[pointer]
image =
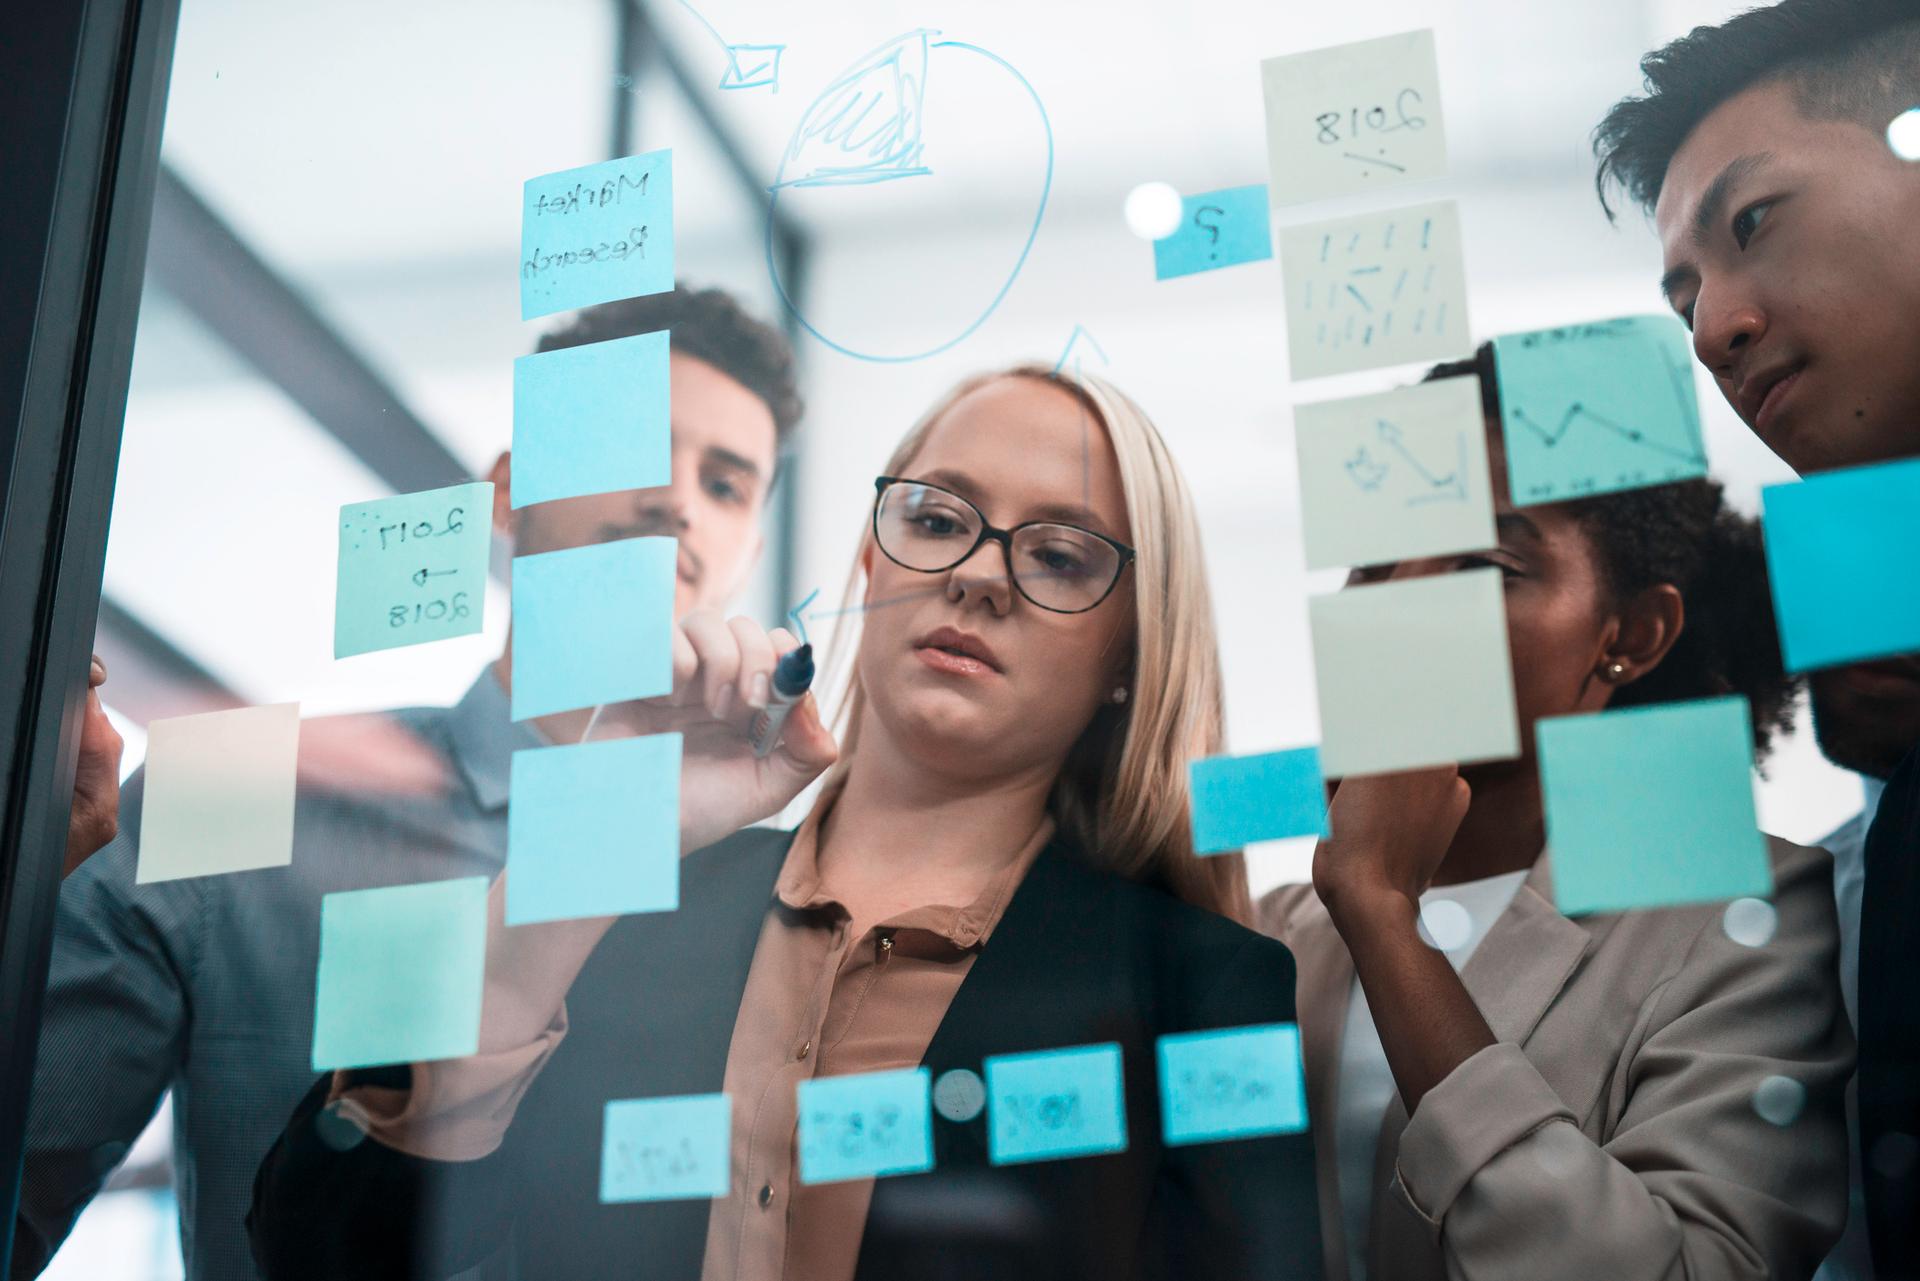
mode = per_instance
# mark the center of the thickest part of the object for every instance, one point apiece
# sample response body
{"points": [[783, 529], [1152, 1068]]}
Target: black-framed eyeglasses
{"points": [[1059, 567]]}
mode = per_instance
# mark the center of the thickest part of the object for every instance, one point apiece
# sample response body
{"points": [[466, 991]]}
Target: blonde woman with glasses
{"points": [[999, 862]]}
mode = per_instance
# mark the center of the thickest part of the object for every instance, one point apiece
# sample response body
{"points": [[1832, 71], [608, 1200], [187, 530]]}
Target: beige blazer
{"points": [[1611, 1134]]}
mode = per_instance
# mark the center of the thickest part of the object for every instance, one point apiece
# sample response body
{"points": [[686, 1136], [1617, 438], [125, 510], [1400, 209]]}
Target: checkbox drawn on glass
{"points": [[753, 66]]}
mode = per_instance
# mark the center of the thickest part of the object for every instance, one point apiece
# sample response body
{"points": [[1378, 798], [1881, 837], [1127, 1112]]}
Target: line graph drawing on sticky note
{"points": [[1378, 289], [1396, 475], [1597, 408]]}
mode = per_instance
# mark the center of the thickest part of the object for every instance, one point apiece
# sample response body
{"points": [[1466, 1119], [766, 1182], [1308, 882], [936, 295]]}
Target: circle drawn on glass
{"points": [[839, 142]]}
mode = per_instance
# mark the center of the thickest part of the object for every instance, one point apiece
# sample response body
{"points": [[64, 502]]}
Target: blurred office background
{"points": [[331, 311]]}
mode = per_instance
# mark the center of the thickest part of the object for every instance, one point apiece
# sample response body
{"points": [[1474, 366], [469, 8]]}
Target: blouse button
{"points": [[766, 1195], [805, 1049]]}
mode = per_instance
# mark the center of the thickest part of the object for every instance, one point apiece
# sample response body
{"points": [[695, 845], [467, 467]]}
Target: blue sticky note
{"points": [[1217, 229], [593, 625], [668, 1149], [597, 234], [593, 829], [1233, 1083], [400, 974], [1237, 799], [590, 419], [1841, 553], [1055, 1103], [412, 568], [1652, 806], [865, 1125], [1596, 408]]}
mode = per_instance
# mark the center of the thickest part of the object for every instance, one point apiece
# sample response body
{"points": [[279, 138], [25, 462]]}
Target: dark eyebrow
{"points": [[1064, 513], [1514, 522], [1707, 216], [738, 462]]}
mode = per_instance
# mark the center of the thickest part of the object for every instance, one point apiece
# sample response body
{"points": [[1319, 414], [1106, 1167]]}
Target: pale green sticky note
{"points": [[592, 418], [1652, 806], [1394, 476], [1414, 673], [219, 792], [1597, 408], [1355, 118], [1373, 289], [401, 970], [412, 569]]}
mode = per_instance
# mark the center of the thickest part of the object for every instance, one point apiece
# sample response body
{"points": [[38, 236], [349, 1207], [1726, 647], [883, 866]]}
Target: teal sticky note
{"points": [[1652, 806], [1413, 673], [1841, 554], [1055, 1103], [1217, 229], [400, 974], [1595, 408], [593, 625], [666, 1149], [1232, 1083], [1394, 476], [1237, 799], [590, 419], [593, 829], [865, 1125], [412, 568], [597, 234]]}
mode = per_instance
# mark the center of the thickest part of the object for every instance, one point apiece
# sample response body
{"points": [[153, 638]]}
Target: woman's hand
{"points": [[1390, 833], [722, 679], [95, 816]]}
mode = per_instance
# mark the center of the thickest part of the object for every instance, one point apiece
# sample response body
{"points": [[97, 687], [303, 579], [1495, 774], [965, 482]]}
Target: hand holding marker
{"points": [[792, 678]]}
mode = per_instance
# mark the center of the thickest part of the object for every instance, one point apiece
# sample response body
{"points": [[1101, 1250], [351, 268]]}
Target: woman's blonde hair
{"points": [[1122, 797]]}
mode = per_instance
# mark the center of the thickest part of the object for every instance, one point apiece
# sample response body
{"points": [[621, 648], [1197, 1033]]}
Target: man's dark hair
{"points": [[1685, 534], [708, 325], [1845, 59]]}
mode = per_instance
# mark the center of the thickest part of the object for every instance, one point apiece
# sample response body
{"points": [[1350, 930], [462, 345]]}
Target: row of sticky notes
{"points": [[1645, 806], [592, 624], [1230, 1083]]}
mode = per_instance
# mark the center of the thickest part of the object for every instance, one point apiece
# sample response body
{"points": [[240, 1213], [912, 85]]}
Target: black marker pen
{"points": [[792, 677]]}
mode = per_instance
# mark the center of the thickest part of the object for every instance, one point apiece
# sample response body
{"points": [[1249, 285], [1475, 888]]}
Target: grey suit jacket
{"points": [[1611, 1135], [205, 986]]}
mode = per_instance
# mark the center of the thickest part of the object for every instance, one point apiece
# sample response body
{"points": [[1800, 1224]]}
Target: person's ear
{"points": [[501, 474], [1649, 625]]}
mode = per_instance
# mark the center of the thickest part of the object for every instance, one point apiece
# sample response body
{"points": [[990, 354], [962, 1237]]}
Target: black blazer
{"points": [[1080, 956]]}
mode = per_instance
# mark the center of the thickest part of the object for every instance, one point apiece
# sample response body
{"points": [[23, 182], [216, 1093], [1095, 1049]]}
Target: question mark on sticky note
{"points": [[1211, 228]]}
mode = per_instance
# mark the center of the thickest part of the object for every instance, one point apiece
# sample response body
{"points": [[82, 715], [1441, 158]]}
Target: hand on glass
{"points": [[722, 679]]}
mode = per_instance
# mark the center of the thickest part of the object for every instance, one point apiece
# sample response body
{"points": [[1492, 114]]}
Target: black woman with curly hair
{"points": [[1646, 1094]]}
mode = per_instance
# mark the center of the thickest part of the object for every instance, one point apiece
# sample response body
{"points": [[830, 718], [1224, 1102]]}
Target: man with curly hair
{"points": [[1761, 149], [205, 986]]}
